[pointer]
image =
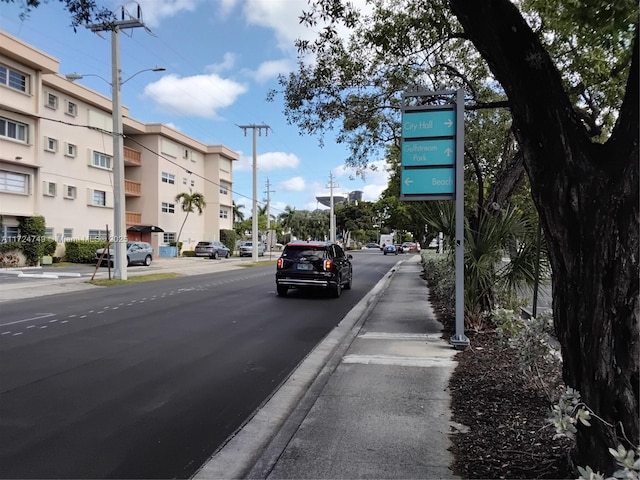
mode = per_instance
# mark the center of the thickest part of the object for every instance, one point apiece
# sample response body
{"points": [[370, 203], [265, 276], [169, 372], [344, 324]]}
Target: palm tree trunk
{"points": [[180, 233]]}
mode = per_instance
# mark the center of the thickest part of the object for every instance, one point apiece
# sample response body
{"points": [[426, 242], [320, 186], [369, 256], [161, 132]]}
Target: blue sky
{"points": [[221, 58]]}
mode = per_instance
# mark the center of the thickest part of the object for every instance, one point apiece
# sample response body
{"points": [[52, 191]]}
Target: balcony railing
{"points": [[132, 158], [132, 189], [133, 218]]}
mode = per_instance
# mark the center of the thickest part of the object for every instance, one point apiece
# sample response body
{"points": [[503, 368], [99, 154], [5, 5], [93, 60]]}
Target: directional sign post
{"points": [[432, 168]]}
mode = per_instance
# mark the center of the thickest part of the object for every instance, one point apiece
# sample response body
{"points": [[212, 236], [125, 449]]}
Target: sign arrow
{"points": [[408, 181], [448, 123], [448, 152]]}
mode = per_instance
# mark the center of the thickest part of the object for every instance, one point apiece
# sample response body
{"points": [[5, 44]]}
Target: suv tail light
{"points": [[280, 263], [328, 265]]}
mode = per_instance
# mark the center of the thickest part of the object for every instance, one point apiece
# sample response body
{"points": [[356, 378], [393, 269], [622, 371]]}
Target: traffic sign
{"points": [[428, 152], [429, 123], [428, 181]]}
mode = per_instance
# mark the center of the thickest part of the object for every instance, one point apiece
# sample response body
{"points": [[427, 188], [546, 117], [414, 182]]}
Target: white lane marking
{"points": [[64, 321], [40, 316], [6, 333], [16, 334], [44, 326]]}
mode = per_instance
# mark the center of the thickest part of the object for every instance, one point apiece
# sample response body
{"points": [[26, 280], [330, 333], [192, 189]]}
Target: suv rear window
{"points": [[306, 251]]}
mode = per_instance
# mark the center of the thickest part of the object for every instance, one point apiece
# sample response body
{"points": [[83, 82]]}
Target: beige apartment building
{"points": [[56, 160]]}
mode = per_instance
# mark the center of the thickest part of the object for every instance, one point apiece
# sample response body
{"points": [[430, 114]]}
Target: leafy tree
{"points": [[572, 99], [190, 202], [353, 220]]}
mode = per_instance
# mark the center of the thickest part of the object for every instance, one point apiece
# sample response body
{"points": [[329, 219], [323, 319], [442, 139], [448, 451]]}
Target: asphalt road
{"points": [[148, 380]]}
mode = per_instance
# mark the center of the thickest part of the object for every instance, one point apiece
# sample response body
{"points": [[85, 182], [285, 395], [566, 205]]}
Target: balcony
{"points": [[133, 218], [132, 189], [132, 158]]}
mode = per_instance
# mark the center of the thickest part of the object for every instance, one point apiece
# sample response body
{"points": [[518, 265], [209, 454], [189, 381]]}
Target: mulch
{"points": [[503, 412]]}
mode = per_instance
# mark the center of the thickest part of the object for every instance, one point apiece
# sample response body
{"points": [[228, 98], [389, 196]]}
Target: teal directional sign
{"points": [[428, 152], [434, 181], [430, 123]]}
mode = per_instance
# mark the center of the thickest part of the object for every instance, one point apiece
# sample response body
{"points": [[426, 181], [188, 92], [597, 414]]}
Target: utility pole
{"points": [[119, 206], [332, 220], [270, 241], [257, 129]]}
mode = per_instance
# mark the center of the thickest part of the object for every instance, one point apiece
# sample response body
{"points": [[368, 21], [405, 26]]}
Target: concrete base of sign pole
{"points": [[460, 341]]}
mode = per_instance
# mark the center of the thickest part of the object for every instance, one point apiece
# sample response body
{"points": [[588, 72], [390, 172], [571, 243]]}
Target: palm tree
{"points": [[189, 202], [238, 215]]}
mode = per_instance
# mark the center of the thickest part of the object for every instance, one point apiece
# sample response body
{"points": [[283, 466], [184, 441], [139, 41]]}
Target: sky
{"points": [[221, 59]]}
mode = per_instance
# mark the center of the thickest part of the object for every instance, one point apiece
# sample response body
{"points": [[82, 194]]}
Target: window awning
{"points": [[144, 229]]}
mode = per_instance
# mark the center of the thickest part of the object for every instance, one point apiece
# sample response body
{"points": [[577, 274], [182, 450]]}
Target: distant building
{"points": [[351, 197]]}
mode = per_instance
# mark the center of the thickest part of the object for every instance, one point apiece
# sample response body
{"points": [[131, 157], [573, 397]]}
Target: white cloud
{"points": [[268, 161], [272, 69], [228, 62], [294, 184], [154, 11], [199, 95]]}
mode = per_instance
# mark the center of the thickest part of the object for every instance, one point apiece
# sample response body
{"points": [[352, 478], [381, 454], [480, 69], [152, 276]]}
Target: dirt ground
{"points": [[503, 413]]}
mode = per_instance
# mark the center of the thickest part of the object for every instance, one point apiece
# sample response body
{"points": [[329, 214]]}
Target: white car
{"points": [[246, 249]]}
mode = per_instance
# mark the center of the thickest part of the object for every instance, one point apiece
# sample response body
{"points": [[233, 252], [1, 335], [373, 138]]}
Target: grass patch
{"points": [[69, 264], [105, 282]]}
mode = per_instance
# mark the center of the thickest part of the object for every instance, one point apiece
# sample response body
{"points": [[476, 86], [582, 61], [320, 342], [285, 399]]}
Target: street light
{"points": [[119, 214]]}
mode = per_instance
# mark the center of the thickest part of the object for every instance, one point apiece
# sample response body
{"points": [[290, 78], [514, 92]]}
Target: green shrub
{"points": [[49, 247], [32, 235], [82, 251], [189, 253], [229, 238]]}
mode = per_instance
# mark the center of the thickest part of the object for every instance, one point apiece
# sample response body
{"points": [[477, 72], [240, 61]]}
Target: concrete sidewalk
{"points": [[370, 401]]}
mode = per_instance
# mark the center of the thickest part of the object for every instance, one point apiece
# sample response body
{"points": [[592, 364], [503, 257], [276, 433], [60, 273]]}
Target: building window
{"points": [[193, 183], [52, 101], [97, 234], [49, 189], [186, 153], [224, 190], [100, 198], [13, 79], [14, 182], [51, 144], [184, 181], [72, 109], [68, 233], [168, 178], [48, 233], [168, 207], [10, 234], [15, 130], [224, 213], [70, 150], [101, 160], [168, 237], [70, 192]]}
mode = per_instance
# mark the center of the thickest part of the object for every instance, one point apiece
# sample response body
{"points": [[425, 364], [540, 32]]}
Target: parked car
{"points": [[399, 248], [246, 249], [321, 265], [390, 249], [410, 247], [137, 252], [373, 245], [212, 250]]}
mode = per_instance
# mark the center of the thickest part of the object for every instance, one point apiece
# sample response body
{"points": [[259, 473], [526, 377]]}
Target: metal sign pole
{"points": [[459, 340]]}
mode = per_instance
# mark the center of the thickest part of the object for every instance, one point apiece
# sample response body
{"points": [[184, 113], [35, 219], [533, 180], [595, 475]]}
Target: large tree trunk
{"points": [[587, 197]]}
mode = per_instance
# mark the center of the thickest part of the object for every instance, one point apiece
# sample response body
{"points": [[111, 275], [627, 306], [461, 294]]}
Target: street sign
{"points": [[430, 123], [428, 152], [433, 181]]}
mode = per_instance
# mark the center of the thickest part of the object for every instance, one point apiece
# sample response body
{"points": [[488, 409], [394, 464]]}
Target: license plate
{"points": [[304, 266]]}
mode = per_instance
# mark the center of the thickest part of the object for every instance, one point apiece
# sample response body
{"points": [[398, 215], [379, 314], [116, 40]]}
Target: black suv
{"points": [[314, 265]]}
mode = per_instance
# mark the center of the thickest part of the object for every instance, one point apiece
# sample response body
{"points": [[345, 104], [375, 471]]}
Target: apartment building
{"points": [[56, 160]]}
